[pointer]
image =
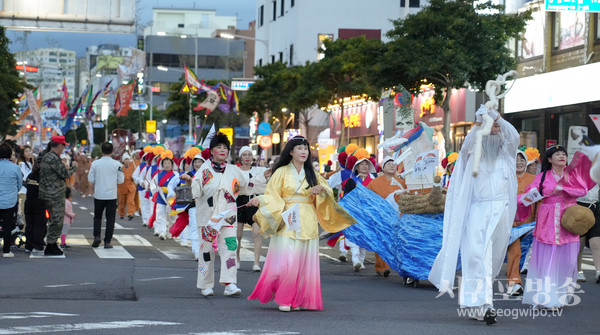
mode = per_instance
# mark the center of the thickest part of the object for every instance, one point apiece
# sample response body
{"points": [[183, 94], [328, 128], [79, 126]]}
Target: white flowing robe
{"points": [[478, 217]]}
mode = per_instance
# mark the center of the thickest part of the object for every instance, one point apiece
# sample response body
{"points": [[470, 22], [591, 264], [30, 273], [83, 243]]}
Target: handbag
{"points": [[183, 195]]}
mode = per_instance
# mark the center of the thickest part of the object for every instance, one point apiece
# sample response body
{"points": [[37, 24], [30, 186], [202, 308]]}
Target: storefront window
{"points": [[569, 30], [530, 129], [532, 44], [459, 134], [567, 120]]}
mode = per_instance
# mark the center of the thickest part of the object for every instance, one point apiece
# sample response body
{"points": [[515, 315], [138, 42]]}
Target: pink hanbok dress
{"points": [[552, 275]]}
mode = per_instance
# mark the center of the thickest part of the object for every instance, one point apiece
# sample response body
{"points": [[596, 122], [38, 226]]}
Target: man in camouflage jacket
{"points": [[53, 175]]}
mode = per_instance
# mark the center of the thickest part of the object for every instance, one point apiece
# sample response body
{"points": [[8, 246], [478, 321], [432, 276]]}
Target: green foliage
{"points": [[10, 88], [75, 136]]}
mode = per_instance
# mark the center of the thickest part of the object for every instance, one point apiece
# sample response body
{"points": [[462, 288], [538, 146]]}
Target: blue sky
{"points": [[243, 9]]}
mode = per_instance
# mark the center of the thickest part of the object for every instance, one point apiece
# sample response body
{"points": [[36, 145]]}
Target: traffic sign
{"points": [[151, 126], [151, 136], [264, 128], [266, 142], [573, 6], [241, 85], [98, 125], [138, 106]]}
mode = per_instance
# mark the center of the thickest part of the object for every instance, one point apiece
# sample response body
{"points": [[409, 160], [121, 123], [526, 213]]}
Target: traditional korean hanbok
{"points": [[138, 178], [291, 274], [552, 273], [215, 189], [160, 190]]}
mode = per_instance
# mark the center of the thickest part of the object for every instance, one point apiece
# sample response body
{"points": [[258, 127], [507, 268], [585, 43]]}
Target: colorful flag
{"points": [[210, 103], [107, 88], [192, 81], [124, 96], [64, 109]]}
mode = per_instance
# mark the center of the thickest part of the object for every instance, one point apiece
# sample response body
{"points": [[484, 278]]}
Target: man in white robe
{"points": [[478, 216]]}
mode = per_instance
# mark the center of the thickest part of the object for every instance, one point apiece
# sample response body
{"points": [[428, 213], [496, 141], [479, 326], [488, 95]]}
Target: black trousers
{"points": [[35, 229], [8, 220], [111, 211]]}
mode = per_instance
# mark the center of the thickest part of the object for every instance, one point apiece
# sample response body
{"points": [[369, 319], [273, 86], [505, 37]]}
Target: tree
{"points": [[10, 88], [451, 44], [344, 72]]}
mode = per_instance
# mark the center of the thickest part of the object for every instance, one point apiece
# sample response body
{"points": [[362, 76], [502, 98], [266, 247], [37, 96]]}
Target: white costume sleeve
{"points": [[335, 180]]}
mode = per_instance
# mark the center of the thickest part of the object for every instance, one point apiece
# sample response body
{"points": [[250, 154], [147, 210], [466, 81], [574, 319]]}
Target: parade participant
{"points": [[479, 211], [127, 190], [11, 181], [448, 165], [385, 185], [53, 177], [84, 187], [66, 159], [106, 174], [187, 213], [513, 254], [69, 216], [215, 188], [151, 171], [363, 172], [533, 160], [160, 192], [136, 156], [592, 237], [257, 181], [138, 177], [35, 211], [552, 271], [291, 274]]}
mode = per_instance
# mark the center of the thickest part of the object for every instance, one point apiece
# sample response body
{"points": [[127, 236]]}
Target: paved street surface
{"points": [[148, 286]]}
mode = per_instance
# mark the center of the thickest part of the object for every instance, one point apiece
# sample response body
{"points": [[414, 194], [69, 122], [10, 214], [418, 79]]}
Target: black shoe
{"points": [[130, 217], [52, 249], [386, 273], [107, 246], [65, 246], [490, 316], [121, 218], [96, 243]]}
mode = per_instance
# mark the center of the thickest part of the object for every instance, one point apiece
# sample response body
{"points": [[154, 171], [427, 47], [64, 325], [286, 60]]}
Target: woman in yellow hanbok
{"points": [[291, 274]]}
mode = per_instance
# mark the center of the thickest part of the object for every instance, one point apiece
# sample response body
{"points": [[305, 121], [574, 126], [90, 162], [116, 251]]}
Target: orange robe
{"points": [[127, 191], [383, 187], [513, 254]]}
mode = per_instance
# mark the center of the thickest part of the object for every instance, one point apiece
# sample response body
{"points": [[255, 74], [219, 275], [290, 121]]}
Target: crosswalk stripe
{"points": [[60, 328], [84, 208], [117, 252], [132, 240], [178, 253], [77, 239]]}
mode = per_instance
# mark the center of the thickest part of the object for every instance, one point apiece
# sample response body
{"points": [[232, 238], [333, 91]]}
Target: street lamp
{"points": [[230, 36]]}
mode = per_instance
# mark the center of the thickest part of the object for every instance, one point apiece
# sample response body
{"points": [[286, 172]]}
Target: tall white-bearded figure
{"points": [[480, 209]]}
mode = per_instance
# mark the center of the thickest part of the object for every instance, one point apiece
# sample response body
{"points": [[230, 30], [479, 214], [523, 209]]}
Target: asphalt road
{"points": [[150, 288]]}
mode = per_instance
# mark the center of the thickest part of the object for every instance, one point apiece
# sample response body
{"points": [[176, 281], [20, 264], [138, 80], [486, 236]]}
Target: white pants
{"points": [[358, 253], [161, 224], [227, 246], [145, 207], [193, 232], [483, 246]]}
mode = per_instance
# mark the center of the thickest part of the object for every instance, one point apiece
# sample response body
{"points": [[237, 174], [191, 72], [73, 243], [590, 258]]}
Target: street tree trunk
{"points": [[448, 145], [342, 137]]}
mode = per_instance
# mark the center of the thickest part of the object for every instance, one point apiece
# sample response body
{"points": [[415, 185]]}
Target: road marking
{"points": [[26, 315], [67, 285], [84, 326], [74, 203], [83, 208], [117, 252], [40, 254], [77, 239], [244, 331], [160, 278], [178, 254], [132, 240], [329, 257]]}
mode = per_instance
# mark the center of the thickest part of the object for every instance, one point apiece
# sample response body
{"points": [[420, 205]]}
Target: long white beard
{"points": [[491, 145]]}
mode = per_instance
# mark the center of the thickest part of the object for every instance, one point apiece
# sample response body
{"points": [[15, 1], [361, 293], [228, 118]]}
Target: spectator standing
{"points": [[11, 181], [69, 216], [35, 211], [105, 173], [53, 177]]}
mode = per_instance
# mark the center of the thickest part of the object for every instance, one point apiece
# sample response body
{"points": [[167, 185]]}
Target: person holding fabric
{"points": [[363, 172], [215, 189], [106, 174], [52, 189], [257, 181], [291, 274], [478, 215], [513, 254], [388, 184], [160, 190], [552, 273]]}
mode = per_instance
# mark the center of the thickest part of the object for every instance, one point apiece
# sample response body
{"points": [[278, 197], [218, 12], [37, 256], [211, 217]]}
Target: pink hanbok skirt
{"points": [[291, 274], [552, 275]]}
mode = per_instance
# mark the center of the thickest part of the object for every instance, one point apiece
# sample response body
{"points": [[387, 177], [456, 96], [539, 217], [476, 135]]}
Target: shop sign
{"points": [[550, 143]]}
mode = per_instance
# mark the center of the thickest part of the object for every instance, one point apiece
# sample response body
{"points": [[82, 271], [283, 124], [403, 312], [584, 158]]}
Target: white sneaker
{"points": [[162, 236], [362, 266], [285, 308], [8, 255], [207, 292], [581, 277], [256, 268], [232, 289]]}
